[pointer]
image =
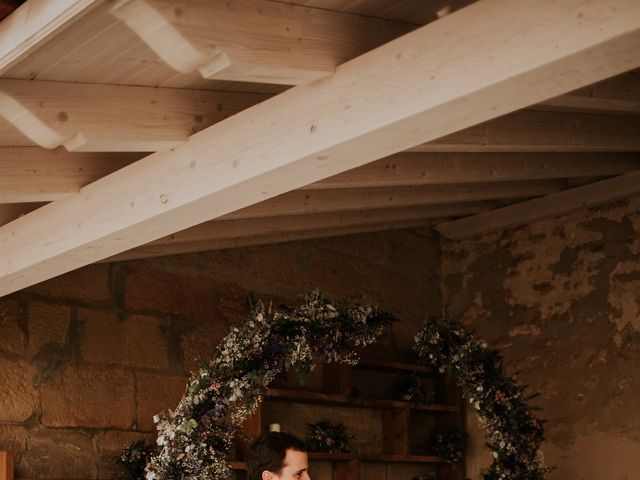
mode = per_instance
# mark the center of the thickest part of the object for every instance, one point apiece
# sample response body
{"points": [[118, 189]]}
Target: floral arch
{"points": [[194, 438]]}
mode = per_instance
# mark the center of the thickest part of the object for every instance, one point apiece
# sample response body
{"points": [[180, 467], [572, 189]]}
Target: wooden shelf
{"points": [[387, 458], [336, 457], [307, 396]]}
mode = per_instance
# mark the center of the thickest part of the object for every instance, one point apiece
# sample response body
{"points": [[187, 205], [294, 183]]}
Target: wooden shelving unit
{"points": [[397, 416]]}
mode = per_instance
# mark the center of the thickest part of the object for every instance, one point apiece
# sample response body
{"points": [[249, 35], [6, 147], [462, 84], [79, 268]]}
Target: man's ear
{"points": [[267, 475]]}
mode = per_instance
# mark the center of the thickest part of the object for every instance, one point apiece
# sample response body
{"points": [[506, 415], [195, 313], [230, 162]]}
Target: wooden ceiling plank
{"points": [[253, 40], [94, 118], [33, 174], [245, 227], [444, 168], [620, 95], [544, 131], [9, 212], [152, 250], [484, 61], [223, 233], [553, 205], [336, 200], [34, 23]]}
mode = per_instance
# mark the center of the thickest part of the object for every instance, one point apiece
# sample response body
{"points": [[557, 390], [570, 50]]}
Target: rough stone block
{"points": [[188, 294], [10, 332], [89, 284], [89, 397], [156, 393], [59, 454], [19, 398], [137, 341], [48, 323]]}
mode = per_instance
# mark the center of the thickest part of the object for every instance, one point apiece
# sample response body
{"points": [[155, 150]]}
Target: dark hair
{"points": [[267, 452]]}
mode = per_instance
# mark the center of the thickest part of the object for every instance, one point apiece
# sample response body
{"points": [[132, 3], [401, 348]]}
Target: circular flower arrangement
{"points": [[196, 437], [513, 431]]}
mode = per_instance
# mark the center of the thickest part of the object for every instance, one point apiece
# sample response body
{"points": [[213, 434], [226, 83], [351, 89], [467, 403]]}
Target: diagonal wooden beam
{"points": [[253, 40], [553, 205], [232, 233], [484, 61], [544, 131], [445, 168], [33, 23], [95, 118]]}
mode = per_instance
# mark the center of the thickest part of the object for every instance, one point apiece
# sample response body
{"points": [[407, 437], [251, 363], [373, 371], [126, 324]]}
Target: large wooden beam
{"points": [[253, 40], [444, 168], [34, 23], [95, 118], [544, 131], [484, 61], [553, 205], [337, 200], [223, 233], [32, 174]]}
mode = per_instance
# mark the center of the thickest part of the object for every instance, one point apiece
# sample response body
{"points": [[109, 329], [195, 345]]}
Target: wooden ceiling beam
{"points": [[486, 60], [620, 95], [253, 40], [10, 212], [32, 174], [224, 233], [336, 200], [550, 206], [111, 118], [33, 23], [444, 168], [544, 131]]}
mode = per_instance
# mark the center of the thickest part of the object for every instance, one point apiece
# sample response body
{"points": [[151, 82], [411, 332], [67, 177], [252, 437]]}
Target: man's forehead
{"points": [[295, 458]]}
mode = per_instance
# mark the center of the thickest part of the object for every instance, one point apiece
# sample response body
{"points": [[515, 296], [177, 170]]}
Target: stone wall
{"points": [[561, 300], [88, 358]]}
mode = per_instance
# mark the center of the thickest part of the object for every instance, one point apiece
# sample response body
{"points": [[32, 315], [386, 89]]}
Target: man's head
{"points": [[277, 456]]}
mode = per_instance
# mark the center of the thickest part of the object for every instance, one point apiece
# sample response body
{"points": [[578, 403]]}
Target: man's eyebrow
{"points": [[300, 471]]}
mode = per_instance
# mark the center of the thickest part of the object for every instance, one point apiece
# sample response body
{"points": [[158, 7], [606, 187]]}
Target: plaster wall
{"points": [[88, 358], [561, 300]]}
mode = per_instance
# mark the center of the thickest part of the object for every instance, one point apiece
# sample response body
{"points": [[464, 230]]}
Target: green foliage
{"points": [[513, 431], [450, 443], [325, 436], [134, 458], [412, 387]]}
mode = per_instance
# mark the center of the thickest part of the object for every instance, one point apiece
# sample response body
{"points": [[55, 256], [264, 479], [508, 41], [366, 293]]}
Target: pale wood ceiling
{"points": [[103, 89]]}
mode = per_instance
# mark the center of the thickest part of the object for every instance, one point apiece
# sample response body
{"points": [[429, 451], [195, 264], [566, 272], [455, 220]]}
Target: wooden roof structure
{"points": [[136, 128]]}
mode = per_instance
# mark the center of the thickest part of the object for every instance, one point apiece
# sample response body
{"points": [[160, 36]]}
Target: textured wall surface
{"points": [[88, 358], [561, 300]]}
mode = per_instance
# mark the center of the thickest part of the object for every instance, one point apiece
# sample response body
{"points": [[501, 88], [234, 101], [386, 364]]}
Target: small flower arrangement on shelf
{"points": [[412, 387], [425, 476], [134, 458], [325, 436], [450, 443]]}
